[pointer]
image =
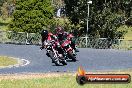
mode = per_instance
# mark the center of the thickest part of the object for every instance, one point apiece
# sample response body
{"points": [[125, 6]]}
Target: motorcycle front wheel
{"points": [[57, 62], [63, 61], [71, 56], [54, 59]]}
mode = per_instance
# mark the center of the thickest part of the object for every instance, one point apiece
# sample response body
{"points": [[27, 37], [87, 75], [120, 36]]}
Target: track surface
{"points": [[90, 59]]}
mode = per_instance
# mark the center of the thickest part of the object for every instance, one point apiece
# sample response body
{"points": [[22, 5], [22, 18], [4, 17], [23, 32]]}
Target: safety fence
{"points": [[10, 37], [104, 43]]}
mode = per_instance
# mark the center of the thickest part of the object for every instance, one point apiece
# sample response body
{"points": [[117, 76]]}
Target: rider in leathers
{"points": [[48, 37], [62, 36]]}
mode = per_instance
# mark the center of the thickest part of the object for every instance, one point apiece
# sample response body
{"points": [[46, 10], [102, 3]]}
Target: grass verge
{"points": [[59, 81], [6, 61]]}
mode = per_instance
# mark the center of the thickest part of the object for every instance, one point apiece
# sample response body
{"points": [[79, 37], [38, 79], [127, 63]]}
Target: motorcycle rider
{"points": [[62, 36], [48, 37]]}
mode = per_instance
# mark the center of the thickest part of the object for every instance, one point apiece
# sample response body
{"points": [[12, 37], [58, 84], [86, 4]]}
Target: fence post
{"points": [[27, 35], [86, 40]]}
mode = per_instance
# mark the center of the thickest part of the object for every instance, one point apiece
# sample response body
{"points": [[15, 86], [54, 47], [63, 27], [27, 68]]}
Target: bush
{"points": [[32, 16]]}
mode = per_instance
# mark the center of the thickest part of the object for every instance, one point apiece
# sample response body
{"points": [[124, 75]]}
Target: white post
{"points": [[27, 39], [89, 2], [87, 18], [87, 27]]}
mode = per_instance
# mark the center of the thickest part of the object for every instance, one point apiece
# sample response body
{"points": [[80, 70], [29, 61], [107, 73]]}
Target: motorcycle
{"points": [[69, 51], [56, 56]]}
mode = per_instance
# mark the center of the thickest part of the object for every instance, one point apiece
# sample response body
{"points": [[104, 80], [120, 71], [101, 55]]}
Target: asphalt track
{"points": [[90, 59]]}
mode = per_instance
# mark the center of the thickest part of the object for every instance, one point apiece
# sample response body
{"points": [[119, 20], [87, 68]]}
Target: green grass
{"points": [[6, 61], [127, 39], [55, 82], [128, 35]]}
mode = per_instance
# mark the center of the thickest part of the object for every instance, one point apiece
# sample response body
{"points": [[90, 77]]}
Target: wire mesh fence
{"points": [[104, 43], [10, 37]]}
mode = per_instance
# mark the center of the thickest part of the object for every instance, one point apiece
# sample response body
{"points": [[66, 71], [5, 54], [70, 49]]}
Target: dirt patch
{"points": [[51, 75], [33, 75]]}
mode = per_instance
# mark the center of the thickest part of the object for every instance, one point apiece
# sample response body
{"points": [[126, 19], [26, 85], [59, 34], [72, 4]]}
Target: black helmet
{"points": [[44, 33]]}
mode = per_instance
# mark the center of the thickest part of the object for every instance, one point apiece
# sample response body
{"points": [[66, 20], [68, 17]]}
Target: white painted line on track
{"points": [[27, 62], [21, 62]]}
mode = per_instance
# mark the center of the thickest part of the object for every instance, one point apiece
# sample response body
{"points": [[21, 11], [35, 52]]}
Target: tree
{"points": [[6, 8], [1, 3], [105, 16], [57, 3], [32, 15]]}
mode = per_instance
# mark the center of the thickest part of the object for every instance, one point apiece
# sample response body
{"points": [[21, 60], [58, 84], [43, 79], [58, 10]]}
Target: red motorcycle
{"points": [[56, 56], [70, 52]]}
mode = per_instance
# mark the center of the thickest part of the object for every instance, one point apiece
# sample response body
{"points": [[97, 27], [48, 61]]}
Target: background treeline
{"points": [[32, 15], [7, 8], [106, 16]]}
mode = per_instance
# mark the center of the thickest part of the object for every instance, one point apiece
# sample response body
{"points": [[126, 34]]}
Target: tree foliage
{"points": [[57, 3], [6, 8], [1, 3], [105, 16], [32, 15]]}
